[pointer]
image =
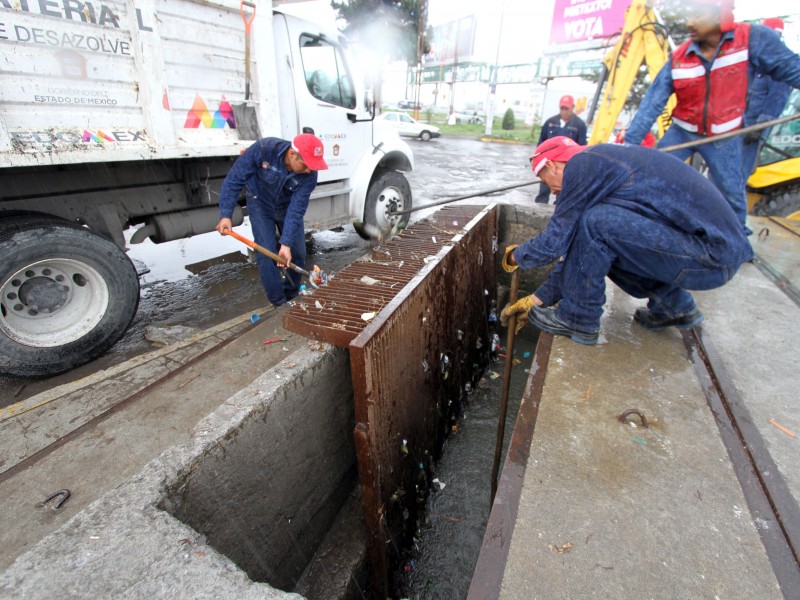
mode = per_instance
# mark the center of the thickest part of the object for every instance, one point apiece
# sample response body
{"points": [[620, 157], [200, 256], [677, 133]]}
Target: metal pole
{"points": [[493, 86], [730, 134], [501, 418], [464, 197]]}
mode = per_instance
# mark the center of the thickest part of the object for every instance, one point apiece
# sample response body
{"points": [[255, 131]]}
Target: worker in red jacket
{"points": [[709, 74]]}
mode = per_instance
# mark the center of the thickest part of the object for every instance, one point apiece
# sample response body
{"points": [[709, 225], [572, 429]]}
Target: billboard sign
{"points": [[581, 20], [452, 42]]}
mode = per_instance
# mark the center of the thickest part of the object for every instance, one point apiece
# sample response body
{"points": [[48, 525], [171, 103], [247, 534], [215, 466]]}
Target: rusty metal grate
{"points": [[334, 312], [412, 368]]}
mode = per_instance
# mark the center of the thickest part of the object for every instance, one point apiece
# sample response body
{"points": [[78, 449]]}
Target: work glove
{"points": [[520, 308], [507, 267]]}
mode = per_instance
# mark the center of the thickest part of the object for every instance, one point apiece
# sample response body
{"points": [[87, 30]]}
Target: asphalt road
{"points": [[206, 280]]}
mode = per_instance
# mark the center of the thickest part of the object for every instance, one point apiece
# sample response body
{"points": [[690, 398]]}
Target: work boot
{"points": [[546, 320], [653, 322]]}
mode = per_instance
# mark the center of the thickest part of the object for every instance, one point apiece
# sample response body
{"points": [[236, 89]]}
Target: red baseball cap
{"points": [[774, 23], [311, 151], [557, 149], [567, 101]]}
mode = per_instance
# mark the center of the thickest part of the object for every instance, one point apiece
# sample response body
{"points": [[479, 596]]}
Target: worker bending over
{"points": [[709, 75], [644, 219], [278, 178]]}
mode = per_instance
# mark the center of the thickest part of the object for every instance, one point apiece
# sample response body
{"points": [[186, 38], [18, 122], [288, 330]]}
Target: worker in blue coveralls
{"points": [[565, 123], [642, 218], [709, 75], [278, 177], [766, 100]]}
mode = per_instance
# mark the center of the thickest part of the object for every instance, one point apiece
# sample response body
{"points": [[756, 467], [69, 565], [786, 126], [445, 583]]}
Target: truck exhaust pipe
{"points": [[182, 224]]}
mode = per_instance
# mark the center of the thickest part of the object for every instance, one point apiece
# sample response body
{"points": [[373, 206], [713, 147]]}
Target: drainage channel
{"points": [[412, 360]]}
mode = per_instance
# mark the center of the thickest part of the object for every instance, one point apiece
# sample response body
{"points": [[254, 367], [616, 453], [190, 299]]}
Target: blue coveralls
{"points": [[648, 221], [767, 55], [277, 200], [574, 129]]}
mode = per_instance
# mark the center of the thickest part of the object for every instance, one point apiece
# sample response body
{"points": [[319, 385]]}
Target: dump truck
{"points": [[118, 115]]}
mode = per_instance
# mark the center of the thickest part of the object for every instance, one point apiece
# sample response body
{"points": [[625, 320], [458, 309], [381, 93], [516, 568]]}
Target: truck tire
{"points": [[66, 295], [388, 192]]}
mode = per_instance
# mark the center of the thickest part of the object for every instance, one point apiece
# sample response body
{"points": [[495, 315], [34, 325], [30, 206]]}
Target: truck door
{"points": [[327, 96]]}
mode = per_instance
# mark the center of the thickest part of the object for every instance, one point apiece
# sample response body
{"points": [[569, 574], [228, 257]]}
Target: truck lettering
{"points": [[47, 99], [71, 137], [70, 10], [49, 37]]}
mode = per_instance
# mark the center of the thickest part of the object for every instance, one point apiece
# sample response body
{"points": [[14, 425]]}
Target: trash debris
{"points": [[302, 287], [526, 354], [368, 316], [639, 440], [273, 340], [318, 304], [318, 276], [440, 484], [561, 549], [170, 334], [455, 223], [366, 279], [433, 239], [428, 259], [404, 447], [782, 428], [254, 318], [493, 375]]}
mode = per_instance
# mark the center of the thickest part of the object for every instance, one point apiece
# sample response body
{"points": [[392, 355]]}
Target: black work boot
{"points": [[648, 320], [546, 320]]}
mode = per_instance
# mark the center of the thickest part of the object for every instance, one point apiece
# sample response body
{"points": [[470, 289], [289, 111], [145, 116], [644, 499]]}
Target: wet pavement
{"points": [[203, 281]]}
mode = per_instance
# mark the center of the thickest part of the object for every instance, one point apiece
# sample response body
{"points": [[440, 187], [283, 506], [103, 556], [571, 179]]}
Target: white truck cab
{"points": [[129, 113]]}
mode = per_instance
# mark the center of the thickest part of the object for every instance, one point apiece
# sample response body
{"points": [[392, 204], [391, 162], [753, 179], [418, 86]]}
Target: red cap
{"points": [[310, 149], [557, 149], [567, 101], [726, 22], [774, 23]]}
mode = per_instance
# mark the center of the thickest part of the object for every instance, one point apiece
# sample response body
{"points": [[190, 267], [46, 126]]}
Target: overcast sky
{"points": [[526, 26]]}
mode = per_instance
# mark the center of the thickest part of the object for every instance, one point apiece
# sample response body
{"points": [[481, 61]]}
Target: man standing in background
{"points": [[765, 101], [565, 123]]}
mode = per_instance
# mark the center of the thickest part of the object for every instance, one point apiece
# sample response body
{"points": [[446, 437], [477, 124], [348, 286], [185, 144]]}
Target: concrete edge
{"points": [[157, 555]]}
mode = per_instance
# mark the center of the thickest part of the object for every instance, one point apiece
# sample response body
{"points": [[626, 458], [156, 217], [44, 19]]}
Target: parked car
{"points": [[405, 125], [408, 104]]}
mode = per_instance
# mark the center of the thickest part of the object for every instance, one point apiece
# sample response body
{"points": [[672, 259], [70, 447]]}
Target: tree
{"points": [[508, 120], [392, 29]]}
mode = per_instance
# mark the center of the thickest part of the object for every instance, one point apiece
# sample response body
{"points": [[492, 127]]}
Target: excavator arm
{"points": [[643, 39]]}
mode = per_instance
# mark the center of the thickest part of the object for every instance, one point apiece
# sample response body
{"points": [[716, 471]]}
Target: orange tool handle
{"points": [[247, 21]]}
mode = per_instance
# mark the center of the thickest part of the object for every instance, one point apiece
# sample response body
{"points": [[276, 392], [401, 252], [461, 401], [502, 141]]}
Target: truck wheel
{"points": [[388, 192], [66, 295], [425, 136]]}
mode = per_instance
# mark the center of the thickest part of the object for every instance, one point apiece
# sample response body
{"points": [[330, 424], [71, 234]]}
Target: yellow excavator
{"points": [[643, 39], [774, 188]]}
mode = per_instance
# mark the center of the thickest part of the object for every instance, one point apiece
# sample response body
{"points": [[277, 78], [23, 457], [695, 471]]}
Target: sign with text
{"points": [[580, 20]]}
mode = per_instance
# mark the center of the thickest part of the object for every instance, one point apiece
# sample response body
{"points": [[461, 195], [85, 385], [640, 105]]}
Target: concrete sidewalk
{"points": [[613, 510]]}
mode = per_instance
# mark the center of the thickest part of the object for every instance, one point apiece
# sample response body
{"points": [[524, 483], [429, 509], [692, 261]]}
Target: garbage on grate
{"points": [[319, 276]]}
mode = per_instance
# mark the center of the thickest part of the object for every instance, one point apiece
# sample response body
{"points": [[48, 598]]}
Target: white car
{"points": [[405, 125]]}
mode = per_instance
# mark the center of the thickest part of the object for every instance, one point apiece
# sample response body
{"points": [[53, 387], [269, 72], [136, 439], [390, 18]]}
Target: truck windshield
{"points": [[325, 73], [784, 140]]}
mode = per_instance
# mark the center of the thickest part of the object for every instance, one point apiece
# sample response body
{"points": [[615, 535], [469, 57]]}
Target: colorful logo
{"points": [[88, 136], [199, 113]]}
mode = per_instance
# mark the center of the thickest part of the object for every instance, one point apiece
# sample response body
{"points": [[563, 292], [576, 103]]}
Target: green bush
{"points": [[508, 120]]}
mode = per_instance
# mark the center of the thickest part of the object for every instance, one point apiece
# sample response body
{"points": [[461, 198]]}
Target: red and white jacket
{"points": [[712, 102]]}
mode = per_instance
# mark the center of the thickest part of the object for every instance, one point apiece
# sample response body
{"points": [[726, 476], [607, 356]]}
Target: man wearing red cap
{"points": [[709, 75], [642, 218], [565, 123], [766, 100], [278, 178]]}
